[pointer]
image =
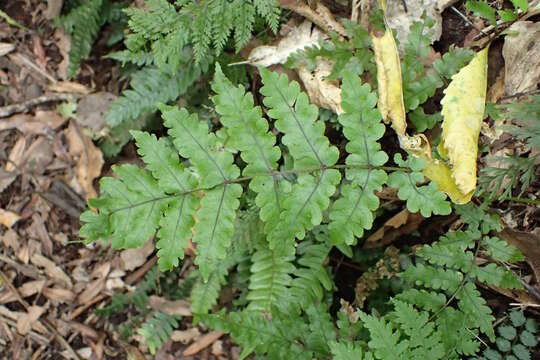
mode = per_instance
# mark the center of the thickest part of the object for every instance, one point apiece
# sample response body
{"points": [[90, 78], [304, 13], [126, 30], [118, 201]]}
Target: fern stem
{"points": [[248, 178], [534, 202]]}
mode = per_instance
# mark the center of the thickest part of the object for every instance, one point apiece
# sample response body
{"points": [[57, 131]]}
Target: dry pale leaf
{"points": [[16, 155], [29, 288], [319, 15], [401, 19], [91, 291], [177, 307], [185, 336], [322, 92], [521, 52], [6, 48], [59, 295], [133, 258], [10, 239], [64, 45], [202, 343], [52, 270], [69, 87], [304, 35], [8, 218], [53, 9], [27, 320], [90, 159]]}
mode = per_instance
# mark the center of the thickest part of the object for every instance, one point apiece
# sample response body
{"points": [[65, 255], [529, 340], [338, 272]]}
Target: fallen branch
{"points": [[8, 110]]}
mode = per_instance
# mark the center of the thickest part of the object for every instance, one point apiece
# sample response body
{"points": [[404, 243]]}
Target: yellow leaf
{"points": [[438, 172], [390, 91], [389, 81], [463, 108]]}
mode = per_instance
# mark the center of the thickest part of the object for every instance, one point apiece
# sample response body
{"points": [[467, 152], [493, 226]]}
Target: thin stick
{"points": [[8, 110], [26, 61], [11, 21], [469, 22]]}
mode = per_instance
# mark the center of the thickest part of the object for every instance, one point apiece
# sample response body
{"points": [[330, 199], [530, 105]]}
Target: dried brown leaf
{"points": [[521, 52], [52, 270], [8, 218], [177, 307], [202, 343], [26, 321], [322, 92]]}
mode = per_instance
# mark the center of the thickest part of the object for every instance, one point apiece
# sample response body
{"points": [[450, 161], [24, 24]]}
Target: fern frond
{"points": [[321, 329], [269, 11], [346, 350], [215, 168], [424, 339], [353, 211], [244, 18], [431, 277], [204, 294], [426, 199], [157, 330], [304, 137], [258, 149], [270, 279], [148, 87], [276, 337], [175, 225], [158, 17], [385, 342], [222, 25], [474, 306], [428, 300], [311, 277], [82, 24], [131, 206]]}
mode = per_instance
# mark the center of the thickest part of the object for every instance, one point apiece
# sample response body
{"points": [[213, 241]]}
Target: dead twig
{"points": [[8, 110]]}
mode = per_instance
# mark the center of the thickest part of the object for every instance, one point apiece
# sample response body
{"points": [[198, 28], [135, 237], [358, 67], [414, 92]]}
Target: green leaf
{"points": [[452, 61], [162, 160], [346, 350], [521, 352], [248, 132], [304, 137], [432, 277], [423, 121], [503, 344], [270, 278], [426, 199], [474, 306], [531, 326], [132, 205], [500, 250], [527, 339], [492, 354], [508, 332], [482, 9], [517, 318], [523, 5], [353, 211], [383, 341], [215, 226], [157, 330], [507, 15], [311, 277]]}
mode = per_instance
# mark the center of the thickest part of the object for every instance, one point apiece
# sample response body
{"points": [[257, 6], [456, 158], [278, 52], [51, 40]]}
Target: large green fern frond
{"points": [[353, 211], [82, 25]]}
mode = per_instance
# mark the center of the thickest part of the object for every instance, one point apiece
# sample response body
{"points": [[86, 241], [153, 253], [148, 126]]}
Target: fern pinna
{"points": [[194, 187]]}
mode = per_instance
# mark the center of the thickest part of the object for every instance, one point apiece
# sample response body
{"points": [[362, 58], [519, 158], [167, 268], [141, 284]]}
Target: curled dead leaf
{"points": [[322, 92], [300, 37]]}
